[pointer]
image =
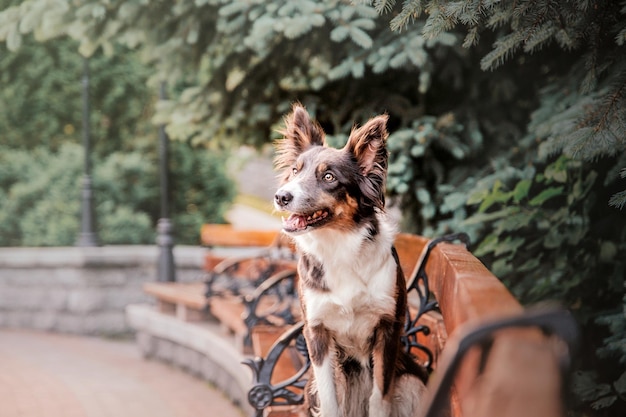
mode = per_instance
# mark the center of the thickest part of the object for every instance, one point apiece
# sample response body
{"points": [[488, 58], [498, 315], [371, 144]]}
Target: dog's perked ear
{"points": [[368, 146], [300, 133]]}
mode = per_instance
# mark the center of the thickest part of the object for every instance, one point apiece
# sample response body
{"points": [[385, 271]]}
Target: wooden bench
{"points": [[229, 278], [492, 358]]}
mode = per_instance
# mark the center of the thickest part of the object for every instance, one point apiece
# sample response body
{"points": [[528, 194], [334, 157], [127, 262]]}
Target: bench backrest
{"points": [[226, 235], [518, 371]]}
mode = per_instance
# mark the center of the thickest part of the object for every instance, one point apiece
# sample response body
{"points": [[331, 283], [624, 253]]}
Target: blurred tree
{"points": [[40, 115], [238, 65], [40, 99], [40, 194]]}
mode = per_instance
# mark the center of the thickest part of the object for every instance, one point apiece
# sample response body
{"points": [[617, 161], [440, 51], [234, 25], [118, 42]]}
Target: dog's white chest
{"points": [[353, 305], [360, 281]]}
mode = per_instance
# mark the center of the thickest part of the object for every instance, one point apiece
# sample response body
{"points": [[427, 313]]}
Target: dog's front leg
{"points": [[384, 355], [322, 359]]}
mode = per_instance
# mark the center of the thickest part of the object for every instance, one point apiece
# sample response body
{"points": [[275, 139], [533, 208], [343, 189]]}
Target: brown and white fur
{"points": [[351, 287]]}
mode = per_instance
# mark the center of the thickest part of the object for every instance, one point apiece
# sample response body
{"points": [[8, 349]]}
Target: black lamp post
{"points": [[165, 240], [87, 235]]}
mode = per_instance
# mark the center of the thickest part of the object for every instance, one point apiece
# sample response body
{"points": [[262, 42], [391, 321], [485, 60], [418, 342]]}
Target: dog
{"points": [[351, 287]]}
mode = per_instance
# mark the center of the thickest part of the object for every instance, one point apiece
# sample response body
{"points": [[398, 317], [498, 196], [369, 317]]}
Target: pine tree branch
{"points": [[411, 10], [503, 48], [538, 37], [614, 104], [438, 22], [472, 38], [384, 6], [618, 200]]}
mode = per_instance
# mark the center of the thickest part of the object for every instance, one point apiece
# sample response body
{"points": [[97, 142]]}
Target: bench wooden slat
{"points": [[409, 248], [435, 340], [228, 310], [185, 300], [211, 261], [468, 295], [226, 235], [192, 294], [511, 384]]}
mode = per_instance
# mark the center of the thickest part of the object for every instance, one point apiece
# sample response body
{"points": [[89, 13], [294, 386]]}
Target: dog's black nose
{"points": [[282, 198]]}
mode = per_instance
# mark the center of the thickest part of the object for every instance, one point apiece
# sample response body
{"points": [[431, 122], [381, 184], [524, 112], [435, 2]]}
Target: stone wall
{"points": [[82, 290]]}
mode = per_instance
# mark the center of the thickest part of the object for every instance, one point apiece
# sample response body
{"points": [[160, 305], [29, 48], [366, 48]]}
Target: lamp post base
{"points": [[166, 271]]}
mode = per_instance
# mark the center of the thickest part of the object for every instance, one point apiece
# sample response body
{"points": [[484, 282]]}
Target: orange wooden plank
{"points": [[211, 261], [188, 294], [468, 295], [229, 310], [226, 235], [466, 290], [520, 378], [435, 340], [263, 338], [409, 248]]}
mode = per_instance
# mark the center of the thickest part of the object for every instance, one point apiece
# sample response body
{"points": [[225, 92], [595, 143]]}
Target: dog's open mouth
{"points": [[300, 222]]}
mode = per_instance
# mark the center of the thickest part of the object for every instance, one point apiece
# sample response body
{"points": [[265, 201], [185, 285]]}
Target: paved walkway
{"points": [[52, 375]]}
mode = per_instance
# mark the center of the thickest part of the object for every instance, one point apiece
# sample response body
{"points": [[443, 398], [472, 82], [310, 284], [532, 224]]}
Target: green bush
{"points": [[122, 225], [41, 105], [201, 190], [41, 195]]}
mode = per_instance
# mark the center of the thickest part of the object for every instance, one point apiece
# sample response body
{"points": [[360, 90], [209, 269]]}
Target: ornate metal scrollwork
{"points": [[280, 291], [288, 392], [239, 276]]}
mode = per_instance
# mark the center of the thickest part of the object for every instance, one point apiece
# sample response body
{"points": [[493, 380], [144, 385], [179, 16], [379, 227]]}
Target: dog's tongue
{"points": [[294, 223]]}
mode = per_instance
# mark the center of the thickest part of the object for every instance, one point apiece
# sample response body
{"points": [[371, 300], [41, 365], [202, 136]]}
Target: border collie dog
{"points": [[351, 286]]}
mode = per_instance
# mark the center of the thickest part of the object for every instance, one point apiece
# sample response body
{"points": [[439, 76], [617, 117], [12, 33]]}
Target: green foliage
{"points": [[589, 97], [202, 191], [41, 195], [40, 113], [218, 55], [544, 209], [41, 104], [42, 199], [426, 159], [599, 395], [552, 214]]}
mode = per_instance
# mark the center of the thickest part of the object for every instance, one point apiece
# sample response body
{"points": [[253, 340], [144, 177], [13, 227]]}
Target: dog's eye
{"points": [[328, 177], [294, 171]]}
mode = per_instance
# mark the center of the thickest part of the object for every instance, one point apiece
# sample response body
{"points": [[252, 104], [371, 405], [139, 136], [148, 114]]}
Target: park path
{"points": [[53, 375]]}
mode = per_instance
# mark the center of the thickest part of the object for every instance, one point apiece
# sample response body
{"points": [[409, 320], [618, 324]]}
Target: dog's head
{"points": [[327, 187]]}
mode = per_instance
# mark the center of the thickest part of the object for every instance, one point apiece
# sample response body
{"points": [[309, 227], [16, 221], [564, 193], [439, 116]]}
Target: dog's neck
{"points": [[334, 248]]}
